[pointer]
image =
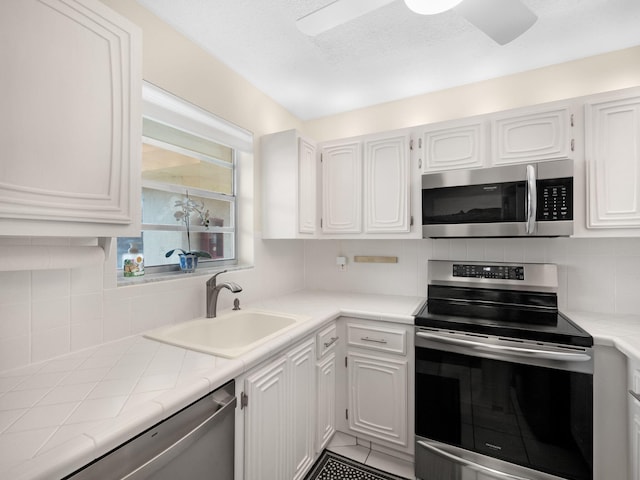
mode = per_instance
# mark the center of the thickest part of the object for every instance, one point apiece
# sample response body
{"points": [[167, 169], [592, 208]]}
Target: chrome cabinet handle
{"points": [[472, 465], [367, 339], [331, 342], [517, 351], [635, 395], [532, 199]]}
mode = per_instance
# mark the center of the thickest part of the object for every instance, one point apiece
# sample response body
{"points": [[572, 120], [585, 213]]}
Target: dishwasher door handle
{"points": [[174, 450]]}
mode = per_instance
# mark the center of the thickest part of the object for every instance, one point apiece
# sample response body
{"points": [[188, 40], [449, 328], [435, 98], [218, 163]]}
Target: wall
{"points": [[599, 274], [595, 274], [596, 74], [48, 313]]}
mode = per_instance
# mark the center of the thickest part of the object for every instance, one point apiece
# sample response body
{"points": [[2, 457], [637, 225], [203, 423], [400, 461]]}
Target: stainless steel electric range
{"points": [[504, 381]]}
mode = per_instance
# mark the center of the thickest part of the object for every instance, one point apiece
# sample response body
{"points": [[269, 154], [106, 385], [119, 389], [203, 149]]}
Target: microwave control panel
{"points": [[555, 199]]}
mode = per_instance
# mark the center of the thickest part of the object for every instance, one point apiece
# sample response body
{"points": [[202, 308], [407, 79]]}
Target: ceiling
{"points": [[390, 53]]}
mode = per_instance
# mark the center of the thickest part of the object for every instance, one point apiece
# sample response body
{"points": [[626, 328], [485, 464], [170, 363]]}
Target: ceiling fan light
{"points": [[431, 7]]}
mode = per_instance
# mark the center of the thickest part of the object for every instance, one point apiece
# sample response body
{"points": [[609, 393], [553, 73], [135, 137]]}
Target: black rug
{"points": [[331, 466]]}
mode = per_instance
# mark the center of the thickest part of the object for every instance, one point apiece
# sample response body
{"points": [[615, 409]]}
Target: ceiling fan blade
{"points": [[502, 20], [337, 13]]}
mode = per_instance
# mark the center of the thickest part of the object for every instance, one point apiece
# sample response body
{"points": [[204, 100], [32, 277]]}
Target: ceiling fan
{"points": [[502, 20]]}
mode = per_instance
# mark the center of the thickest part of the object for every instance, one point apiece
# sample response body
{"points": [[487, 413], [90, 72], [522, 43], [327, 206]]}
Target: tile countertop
{"points": [[614, 330], [59, 415]]}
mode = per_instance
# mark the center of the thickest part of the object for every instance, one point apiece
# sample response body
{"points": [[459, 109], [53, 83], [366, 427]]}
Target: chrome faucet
{"points": [[213, 290]]}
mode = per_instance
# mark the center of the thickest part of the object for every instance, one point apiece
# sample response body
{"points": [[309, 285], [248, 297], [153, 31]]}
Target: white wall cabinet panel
{"points": [[307, 187], [342, 188], [531, 134], [289, 179], [70, 136], [612, 154], [387, 185], [458, 144]]}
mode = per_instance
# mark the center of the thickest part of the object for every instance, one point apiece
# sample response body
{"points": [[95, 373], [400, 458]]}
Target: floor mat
{"points": [[331, 466]]}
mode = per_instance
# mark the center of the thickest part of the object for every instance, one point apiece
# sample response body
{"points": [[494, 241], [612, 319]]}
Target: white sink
{"points": [[228, 335]]}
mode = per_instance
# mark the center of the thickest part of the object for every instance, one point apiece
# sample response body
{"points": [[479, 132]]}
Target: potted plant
{"points": [[185, 209]]}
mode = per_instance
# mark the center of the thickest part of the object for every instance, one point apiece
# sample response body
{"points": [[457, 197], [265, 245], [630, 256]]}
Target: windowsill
{"points": [[123, 281]]}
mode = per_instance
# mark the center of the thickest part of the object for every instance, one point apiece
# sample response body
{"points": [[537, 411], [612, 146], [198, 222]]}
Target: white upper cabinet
{"points": [[532, 135], [612, 155], [367, 186], [70, 133], [342, 188], [454, 145], [387, 185], [289, 194]]}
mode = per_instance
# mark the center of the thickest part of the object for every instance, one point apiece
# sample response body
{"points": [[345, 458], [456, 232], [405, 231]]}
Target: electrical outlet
{"points": [[341, 262]]}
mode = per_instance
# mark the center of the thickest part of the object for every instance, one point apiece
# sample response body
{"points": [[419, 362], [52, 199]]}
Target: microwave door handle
{"points": [[532, 199]]}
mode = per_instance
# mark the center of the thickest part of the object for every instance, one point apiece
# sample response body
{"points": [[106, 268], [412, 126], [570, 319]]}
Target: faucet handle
{"points": [[212, 281]]}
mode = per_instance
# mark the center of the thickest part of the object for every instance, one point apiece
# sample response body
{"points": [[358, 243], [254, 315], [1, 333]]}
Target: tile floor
{"points": [[350, 447]]}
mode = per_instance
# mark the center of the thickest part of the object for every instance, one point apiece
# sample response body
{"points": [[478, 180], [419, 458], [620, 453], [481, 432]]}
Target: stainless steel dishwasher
{"points": [[195, 443]]}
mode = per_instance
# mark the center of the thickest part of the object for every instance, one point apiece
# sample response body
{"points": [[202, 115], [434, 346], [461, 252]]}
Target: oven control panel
{"points": [[501, 272]]}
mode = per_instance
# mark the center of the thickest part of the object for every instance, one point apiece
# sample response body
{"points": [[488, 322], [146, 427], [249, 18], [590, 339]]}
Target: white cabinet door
{"points": [[633, 366], [306, 186], [289, 177], [612, 154], [377, 396], [303, 395], [532, 134], [70, 131], [387, 185], [458, 144], [280, 416], [342, 188], [635, 440], [326, 405], [267, 423]]}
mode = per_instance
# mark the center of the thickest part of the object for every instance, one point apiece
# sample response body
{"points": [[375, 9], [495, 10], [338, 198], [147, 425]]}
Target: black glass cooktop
{"points": [[556, 328]]}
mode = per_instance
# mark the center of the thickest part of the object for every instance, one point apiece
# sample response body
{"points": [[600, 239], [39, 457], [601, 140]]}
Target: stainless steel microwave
{"points": [[533, 199]]}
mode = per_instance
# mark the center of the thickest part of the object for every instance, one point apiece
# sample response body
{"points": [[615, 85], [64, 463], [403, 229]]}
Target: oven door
{"points": [[501, 408]]}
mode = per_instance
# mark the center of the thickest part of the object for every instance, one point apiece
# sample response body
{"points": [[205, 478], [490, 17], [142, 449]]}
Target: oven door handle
{"points": [[468, 463], [517, 351]]}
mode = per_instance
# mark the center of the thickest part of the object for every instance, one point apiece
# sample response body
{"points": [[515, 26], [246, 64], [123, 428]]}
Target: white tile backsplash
{"points": [[44, 314], [595, 274]]}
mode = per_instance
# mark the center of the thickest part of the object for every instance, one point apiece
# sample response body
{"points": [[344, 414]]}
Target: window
{"points": [[187, 154]]}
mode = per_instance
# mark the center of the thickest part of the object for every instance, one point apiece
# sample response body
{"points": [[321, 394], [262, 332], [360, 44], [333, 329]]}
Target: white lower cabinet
{"points": [[279, 418], [635, 439], [634, 418], [376, 391], [378, 397], [326, 342]]}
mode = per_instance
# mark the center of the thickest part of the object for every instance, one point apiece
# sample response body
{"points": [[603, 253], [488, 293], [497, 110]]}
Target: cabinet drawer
{"points": [[326, 340], [385, 339]]}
